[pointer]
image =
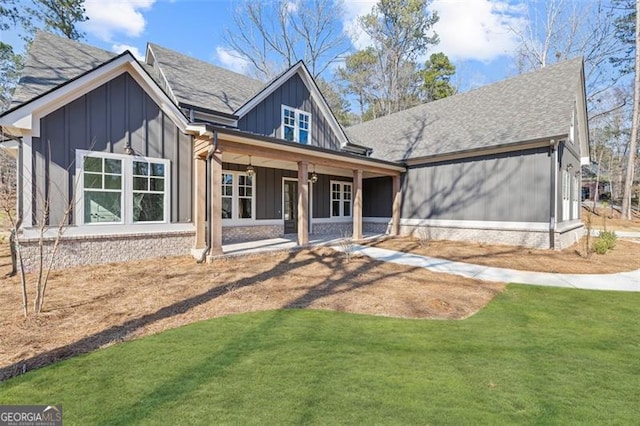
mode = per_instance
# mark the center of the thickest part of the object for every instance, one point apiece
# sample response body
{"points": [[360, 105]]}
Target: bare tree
{"points": [[564, 29], [635, 121], [274, 35]]}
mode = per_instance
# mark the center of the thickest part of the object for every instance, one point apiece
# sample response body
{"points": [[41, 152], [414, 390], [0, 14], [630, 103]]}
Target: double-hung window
{"points": [[341, 199], [121, 189], [296, 125], [237, 196]]}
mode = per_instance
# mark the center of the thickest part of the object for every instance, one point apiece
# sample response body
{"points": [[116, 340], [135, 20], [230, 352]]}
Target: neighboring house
{"points": [[171, 155]]}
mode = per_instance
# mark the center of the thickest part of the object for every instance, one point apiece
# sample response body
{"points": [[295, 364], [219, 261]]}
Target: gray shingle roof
{"points": [[528, 107], [202, 84], [53, 60]]}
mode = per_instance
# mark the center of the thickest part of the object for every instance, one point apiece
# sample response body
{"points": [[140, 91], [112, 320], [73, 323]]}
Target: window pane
{"points": [[288, 133], [92, 180], [304, 136], [244, 208], [227, 190], [226, 208], [101, 207], [248, 191], [140, 184], [241, 191], [157, 169], [156, 184], [112, 166], [93, 164], [227, 178], [112, 182], [148, 207], [346, 208], [335, 208], [140, 168]]}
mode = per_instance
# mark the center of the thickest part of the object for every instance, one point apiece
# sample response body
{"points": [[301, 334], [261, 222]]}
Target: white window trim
{"points": [[296, 128], [342, 199], [127, 188], [235, 220]]}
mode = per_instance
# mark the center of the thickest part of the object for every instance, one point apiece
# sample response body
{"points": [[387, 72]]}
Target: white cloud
{"points": [[468, 29], [232, 60], [110, 17], [350, 25], [478, 29], [119, 48]]}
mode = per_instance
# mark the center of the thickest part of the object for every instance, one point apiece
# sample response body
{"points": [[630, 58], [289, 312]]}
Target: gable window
{"points": [[296, 125], [237, 196], [340, 199], [121, 189]]}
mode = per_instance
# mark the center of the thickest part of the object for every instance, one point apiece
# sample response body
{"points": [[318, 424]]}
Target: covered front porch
{"points": [[250, 188]]}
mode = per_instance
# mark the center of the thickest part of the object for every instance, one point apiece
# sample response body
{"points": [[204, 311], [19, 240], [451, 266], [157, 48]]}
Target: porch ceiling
{"points": [[289, 165]]}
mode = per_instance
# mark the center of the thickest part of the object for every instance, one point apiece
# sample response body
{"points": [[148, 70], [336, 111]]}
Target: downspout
{"points": [[207, 191], [553, 206]]}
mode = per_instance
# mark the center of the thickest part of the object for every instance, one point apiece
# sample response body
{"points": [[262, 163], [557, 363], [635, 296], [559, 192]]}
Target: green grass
{"points": [[534, 355]]}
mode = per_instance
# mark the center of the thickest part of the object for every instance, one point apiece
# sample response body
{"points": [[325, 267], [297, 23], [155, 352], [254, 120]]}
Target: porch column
{"points": [[199, 207], [357, 205], [216, 204], [395, 212], [303, 203]]}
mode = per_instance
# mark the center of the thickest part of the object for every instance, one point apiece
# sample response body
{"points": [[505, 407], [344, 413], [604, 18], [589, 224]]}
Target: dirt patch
{"points": [[624, 257], [95, 306], [610, 219]]}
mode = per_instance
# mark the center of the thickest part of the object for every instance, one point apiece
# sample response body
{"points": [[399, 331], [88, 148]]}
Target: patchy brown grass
{"points": [[611, 219], [94, 306], [624, 257]]}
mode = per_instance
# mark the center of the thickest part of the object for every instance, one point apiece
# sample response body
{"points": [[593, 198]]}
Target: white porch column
{"points": [[357, 205], [303, 203], [199, 207]]}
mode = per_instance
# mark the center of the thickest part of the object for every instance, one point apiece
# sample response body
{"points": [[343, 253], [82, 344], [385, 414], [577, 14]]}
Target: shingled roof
{"points": [[199, 83], [53, 60], [528, 107]]}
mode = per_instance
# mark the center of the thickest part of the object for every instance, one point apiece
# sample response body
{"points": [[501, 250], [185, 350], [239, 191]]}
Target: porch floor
{"points": [[285, 243]]}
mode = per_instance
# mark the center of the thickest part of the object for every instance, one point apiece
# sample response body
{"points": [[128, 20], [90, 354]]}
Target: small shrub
{"points": [[610, 238], [347, 246], [600, 246]]}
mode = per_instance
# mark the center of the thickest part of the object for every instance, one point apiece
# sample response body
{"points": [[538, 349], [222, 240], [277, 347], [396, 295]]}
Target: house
{"points": [[172, 155]]}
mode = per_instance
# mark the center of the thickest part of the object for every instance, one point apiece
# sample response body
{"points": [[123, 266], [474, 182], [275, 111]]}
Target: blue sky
{"points": [[475, 34]]}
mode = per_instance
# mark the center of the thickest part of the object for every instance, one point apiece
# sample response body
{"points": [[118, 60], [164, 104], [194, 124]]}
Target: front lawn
{"points": [[533, 355]]}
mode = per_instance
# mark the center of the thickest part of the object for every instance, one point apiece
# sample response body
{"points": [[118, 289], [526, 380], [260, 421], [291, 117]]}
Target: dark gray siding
{"points": [[268, 189], [266, 118], [377, 197], [510, 187], [104, 120]]}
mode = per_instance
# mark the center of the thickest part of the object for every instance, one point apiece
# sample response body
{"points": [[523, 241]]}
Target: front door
{"points": [[290, 197]]}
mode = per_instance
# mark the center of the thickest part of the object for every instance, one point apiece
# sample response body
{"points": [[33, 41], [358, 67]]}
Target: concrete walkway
{"points": [[624, 281]]}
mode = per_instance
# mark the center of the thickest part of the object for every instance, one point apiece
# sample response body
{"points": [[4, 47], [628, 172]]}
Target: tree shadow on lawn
{"points": [[338, 280]]}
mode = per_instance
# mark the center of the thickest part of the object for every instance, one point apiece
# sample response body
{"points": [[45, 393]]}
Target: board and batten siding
{"points": [[104, 120], [512, 187], [377, 197], [266, 117]]}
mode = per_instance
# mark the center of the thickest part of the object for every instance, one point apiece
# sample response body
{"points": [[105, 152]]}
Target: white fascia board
{"points": [[27, 118]]}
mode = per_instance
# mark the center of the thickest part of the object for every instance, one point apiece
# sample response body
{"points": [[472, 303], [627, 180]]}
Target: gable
{"points": [[294, 89], [25, 118]]}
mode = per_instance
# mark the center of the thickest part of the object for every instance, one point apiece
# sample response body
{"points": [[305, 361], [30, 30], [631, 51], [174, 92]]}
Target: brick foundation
{"points": [[234, 234], [332, 229], [91, 250], [524, 238]]}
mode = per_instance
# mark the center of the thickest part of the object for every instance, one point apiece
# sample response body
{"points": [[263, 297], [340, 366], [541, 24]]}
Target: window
{"points": [[565, 196], [122, 189], [237, 196], [340, 199], [148, 191], [574, 201], [296, 125], [102, 189]]}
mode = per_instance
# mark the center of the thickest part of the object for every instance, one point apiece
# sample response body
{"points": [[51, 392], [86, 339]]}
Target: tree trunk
{"points": [[597, 187], [628, 182]]}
